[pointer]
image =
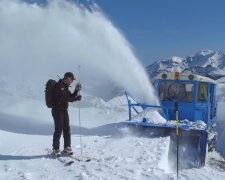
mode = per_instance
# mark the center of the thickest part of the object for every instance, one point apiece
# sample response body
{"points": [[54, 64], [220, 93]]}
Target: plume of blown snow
{"points": [[38, 43]]}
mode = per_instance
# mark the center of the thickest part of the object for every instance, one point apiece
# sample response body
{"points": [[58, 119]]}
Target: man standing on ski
{"points": [[61, 98]]}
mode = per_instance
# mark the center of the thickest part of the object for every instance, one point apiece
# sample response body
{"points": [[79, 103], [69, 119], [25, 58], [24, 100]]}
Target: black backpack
{"points": [[49, 88]]}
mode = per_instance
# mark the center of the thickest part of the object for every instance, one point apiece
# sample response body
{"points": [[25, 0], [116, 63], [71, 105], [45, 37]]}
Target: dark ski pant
{"points": [[61, 121]]}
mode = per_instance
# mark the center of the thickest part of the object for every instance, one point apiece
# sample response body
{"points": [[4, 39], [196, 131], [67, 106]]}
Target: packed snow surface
{"points": [[116, 153]]}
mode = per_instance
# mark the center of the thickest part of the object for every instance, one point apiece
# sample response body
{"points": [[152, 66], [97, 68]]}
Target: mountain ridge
{"points": [[206, 62]]}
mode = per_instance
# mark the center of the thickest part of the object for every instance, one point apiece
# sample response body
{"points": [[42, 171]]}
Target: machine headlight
{"points": [[164, 76], [191, 77]]}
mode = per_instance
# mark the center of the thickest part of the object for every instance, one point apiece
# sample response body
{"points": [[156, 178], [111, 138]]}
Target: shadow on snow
{"points": [[23, 125], [11, 157]]}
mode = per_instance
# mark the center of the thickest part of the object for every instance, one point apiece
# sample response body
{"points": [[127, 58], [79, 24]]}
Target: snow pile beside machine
{"points": [[188, 110]]}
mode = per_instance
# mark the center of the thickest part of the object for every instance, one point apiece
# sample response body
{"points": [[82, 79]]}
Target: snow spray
{"points": [[220, 129], [164, 162], [38, 42]]}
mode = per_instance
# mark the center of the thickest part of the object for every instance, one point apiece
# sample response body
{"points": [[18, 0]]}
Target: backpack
{"points": [[49, 88]]}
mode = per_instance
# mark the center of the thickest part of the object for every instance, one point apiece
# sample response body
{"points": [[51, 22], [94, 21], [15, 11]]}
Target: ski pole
{"points": [[79, 118]]}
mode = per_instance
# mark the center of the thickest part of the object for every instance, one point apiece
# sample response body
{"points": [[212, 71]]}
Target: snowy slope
{"points": [[116, 152], [123, 157]]}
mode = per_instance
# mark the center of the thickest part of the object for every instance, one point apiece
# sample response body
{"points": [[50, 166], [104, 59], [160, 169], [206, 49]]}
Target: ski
{"points": [[65, 161], [78, 158]]}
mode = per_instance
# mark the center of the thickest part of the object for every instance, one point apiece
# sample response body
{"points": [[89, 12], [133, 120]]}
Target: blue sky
{"points": [[164, 28]]}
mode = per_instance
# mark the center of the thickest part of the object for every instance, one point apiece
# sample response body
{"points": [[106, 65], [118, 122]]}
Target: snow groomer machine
{"points": [[188, 105]]}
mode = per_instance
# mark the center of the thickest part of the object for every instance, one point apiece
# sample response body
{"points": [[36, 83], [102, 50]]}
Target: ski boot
{"points": [[57, 152], [68, 151]]}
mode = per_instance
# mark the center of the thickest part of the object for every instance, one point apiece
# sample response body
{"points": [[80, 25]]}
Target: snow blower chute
{"points": [[188, 106]]}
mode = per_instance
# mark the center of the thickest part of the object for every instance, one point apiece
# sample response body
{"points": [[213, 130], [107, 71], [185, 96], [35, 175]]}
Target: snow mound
{"points": [[154, 117], [198, 125], [151, 115]]}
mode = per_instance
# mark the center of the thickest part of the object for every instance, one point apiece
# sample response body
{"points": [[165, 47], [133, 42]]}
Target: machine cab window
{"points": [[182, 91], [202, 92]]}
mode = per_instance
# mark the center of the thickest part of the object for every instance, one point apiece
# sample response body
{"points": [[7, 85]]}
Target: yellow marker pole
{"points": [[177, 132]]}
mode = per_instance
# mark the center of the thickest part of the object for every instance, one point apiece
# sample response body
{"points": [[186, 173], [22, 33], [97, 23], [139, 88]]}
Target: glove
{"points": [[78, 87], [78, 98]]}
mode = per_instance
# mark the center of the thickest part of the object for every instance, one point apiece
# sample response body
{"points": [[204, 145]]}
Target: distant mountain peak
{"points": [[177, 59], [204, 52]]}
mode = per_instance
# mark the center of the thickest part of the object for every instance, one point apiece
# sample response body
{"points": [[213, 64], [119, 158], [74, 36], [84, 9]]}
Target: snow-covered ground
{"points": [[116, 153]]}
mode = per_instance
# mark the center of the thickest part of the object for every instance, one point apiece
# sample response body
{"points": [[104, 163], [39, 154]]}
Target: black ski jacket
{"points": [[62, 96]]}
